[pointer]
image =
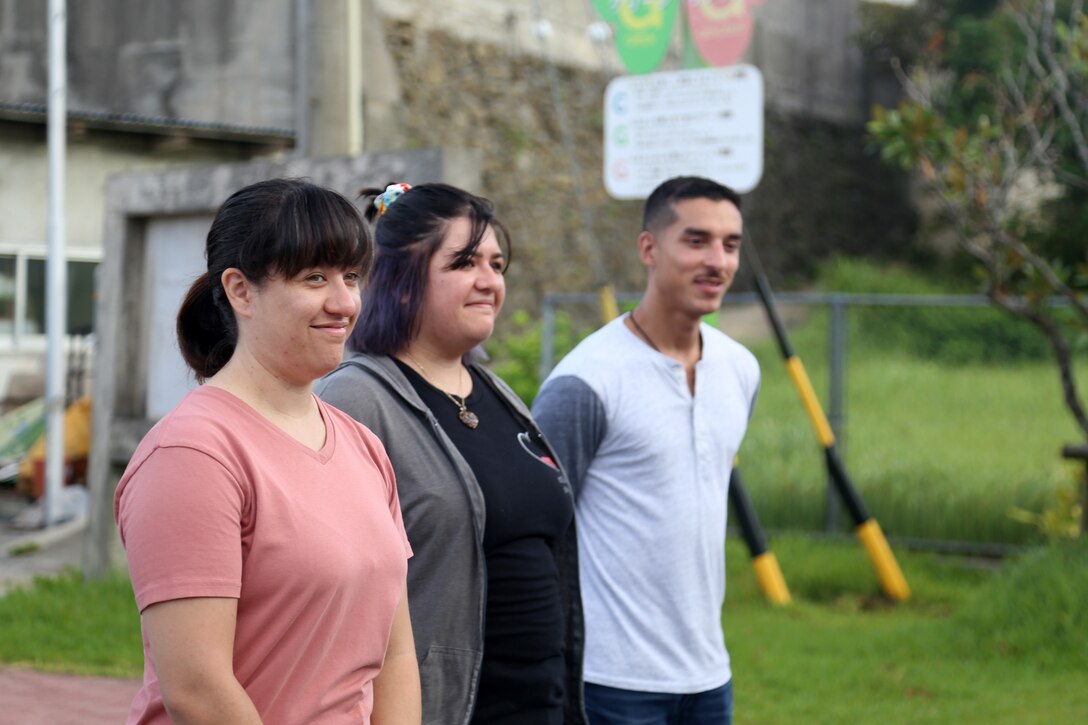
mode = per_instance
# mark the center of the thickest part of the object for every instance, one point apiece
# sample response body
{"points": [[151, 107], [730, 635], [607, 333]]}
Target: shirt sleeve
{"points": [[181, 519], [573, 419]]}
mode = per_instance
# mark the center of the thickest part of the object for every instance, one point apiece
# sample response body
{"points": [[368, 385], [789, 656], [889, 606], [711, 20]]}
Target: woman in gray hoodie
{"points": [[493, 585]]}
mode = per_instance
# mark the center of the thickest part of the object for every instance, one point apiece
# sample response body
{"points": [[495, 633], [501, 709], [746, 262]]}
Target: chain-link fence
{"points": [[948, 413]]}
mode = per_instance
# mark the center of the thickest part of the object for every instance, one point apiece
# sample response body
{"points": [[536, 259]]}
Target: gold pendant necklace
{"points": [[464, 415]]}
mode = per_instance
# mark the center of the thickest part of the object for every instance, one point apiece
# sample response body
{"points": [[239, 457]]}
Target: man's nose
{"points": [[716, 255]]}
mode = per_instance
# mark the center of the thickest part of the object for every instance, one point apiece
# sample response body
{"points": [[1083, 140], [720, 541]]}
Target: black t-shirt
{"points": [[527, 510]]}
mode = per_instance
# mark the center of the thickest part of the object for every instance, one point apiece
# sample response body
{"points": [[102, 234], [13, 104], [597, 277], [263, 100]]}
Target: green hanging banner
{"points": [[643, 30], [606, 9]]}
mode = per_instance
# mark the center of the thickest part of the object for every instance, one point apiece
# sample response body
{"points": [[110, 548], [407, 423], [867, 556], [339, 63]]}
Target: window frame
{"points": [[19, 340]]}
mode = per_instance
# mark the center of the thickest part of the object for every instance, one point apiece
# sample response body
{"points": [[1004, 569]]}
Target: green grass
{"points": [[970, 646], [937, 450], [65, 625]]}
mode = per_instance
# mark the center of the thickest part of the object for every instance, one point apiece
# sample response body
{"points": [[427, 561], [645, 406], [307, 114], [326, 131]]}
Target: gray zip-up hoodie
{"points": [[443, 509]]}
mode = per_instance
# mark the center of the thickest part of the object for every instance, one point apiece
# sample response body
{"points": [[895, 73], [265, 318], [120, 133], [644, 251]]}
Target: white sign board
{"points": [[705, 122]]}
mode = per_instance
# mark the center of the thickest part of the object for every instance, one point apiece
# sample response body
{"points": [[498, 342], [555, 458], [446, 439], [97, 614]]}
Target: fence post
{"points": [[1079, 452], [836, 350], [547, 337]]}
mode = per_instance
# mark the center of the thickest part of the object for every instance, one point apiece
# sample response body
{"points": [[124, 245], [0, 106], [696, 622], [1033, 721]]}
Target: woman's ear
{"points": [[239, 291]]}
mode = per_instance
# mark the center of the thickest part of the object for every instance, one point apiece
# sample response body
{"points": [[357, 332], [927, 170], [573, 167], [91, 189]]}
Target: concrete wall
{"points": [[233, 61], [91, 160], [804, 48], [226, 61]]}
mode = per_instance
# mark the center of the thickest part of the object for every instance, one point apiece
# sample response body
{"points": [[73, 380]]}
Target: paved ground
{"points": [[36, 698]]}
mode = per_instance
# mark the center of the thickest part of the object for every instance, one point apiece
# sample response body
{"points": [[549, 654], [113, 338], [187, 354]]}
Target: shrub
{"points": [[515, 357]]}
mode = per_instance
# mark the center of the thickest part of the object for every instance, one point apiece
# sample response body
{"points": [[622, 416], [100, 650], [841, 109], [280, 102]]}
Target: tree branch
{"points": [[1062, 354]]}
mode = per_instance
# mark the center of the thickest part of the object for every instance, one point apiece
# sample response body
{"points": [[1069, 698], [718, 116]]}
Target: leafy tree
{"points": [[995, 120]]}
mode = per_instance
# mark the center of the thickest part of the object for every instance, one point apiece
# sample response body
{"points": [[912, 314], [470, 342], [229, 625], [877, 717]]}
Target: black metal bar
{"points": [[750, 527], [845, 487]]}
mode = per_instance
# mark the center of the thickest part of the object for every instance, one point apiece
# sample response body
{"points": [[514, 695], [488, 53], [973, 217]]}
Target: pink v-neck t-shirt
{"points": [[219, 502]]}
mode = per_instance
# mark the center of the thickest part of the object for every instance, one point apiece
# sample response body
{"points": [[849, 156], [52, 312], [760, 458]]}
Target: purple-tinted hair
{"points": [[406, 236]]}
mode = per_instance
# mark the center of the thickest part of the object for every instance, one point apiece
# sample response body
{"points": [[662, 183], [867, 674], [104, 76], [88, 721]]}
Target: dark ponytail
{"points": [[274, 227], [207, 331]]}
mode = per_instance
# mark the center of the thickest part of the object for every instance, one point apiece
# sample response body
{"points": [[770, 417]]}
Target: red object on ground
{"points": [[74, 472]]}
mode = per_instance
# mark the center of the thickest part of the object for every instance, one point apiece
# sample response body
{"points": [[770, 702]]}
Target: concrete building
{"points": [[158, 84]]}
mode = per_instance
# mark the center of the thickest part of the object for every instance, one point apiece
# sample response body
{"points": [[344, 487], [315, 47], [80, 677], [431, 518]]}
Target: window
{"points": [[7, 296], [23, 297]]}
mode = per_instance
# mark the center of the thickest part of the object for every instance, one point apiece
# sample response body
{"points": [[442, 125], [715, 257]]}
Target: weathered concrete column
{"points": [[381, 85], [336, 84]]}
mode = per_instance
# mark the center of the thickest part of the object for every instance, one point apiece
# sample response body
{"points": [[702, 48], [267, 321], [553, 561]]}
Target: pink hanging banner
{"points": [[721, 29]]}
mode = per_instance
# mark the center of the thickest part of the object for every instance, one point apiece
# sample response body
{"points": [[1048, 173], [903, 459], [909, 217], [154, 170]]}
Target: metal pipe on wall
{"points": [[303, 31]]}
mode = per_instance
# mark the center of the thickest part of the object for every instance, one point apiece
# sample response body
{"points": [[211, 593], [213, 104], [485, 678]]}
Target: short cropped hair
{"points": [[658, 212]]}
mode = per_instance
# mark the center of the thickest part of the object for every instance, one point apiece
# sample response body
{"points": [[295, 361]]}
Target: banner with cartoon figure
{"points": [[718, 31], [721, 29]]}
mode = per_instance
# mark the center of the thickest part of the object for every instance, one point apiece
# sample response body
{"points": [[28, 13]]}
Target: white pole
{"points": [[56, 283]]}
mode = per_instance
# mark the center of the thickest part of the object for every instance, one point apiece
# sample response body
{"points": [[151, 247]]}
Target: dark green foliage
{"points": [[1064, 231], [975, 44], [823, 194], [953, 335]]}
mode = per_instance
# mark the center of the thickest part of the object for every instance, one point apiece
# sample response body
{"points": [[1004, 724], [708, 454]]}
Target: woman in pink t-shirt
{"points": [[262, 527]]}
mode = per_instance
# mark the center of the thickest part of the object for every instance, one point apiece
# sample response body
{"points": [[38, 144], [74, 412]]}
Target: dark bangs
{"points": [[481, 217], [309, 227]]}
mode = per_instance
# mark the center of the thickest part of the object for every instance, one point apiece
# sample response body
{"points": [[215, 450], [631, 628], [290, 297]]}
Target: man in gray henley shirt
{"points": [[647, 415]]}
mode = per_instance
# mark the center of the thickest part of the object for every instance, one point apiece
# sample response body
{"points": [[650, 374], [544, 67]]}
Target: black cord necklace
{"points": [[642, 332]]}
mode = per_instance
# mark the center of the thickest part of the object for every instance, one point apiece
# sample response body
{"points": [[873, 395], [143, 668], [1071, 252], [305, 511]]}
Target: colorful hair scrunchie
{"points": [[387, 197]]}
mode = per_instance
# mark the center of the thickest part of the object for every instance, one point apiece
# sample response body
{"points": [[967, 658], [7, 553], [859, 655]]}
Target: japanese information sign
{"points": [[705, 122]]}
